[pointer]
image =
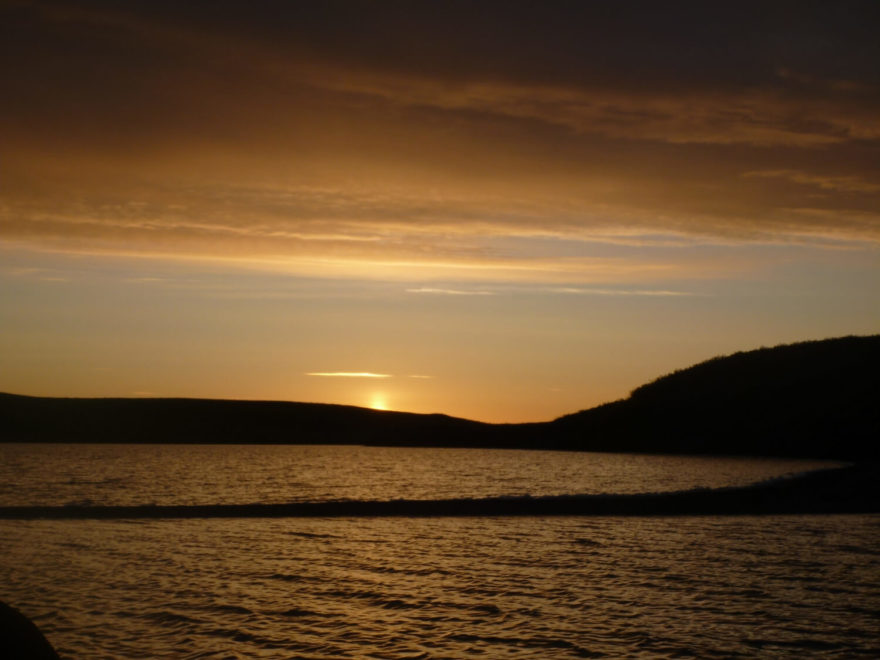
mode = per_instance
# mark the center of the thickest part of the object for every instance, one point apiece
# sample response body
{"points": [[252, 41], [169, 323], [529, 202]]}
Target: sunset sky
{"points": [[506, 211]]}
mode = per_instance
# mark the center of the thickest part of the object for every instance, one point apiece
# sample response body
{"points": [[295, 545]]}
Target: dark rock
{"points": [[20, 638]]}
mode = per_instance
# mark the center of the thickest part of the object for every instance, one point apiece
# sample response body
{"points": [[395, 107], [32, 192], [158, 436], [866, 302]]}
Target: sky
{"points": [[506, 211]]}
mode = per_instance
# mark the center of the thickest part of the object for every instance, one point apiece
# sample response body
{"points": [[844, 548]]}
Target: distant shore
{"points": [[814, 399], [846, 490]]}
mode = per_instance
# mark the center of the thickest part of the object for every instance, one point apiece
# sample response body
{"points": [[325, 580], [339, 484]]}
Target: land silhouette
{"points": [[816, 399]]}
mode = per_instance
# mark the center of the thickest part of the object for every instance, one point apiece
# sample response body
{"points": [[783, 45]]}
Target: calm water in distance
{"points": [[580, 587], [59, 474]]}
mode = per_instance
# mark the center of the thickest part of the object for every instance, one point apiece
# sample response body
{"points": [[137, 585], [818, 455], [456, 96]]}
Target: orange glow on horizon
{"points": [[378, 401]]}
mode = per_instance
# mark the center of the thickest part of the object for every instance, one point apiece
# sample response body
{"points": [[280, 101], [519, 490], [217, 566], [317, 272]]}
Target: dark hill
{"points": [[40, 419], [812, 399]]}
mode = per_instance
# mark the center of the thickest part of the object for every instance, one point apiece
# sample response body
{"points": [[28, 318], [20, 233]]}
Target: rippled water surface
{"points": [[450, 588], [524, 587], [241, 474]]}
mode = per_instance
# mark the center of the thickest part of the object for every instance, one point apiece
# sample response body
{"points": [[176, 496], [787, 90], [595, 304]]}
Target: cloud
{"points": [[348, 374], [619, 292], [836, 183], [753, 115], [407, 140], [450, 292], [567, 290], [285, 60]]}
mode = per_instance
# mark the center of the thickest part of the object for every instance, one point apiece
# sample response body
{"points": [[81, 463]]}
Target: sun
{"points": [[378, 401]]}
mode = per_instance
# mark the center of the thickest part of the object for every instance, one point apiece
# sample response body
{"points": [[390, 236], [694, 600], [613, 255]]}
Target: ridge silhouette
{"points": [[816, 399]]}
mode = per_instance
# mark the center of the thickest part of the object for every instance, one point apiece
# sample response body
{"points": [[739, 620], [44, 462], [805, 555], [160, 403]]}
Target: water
{"points": [[777, 586], [60, 474]]}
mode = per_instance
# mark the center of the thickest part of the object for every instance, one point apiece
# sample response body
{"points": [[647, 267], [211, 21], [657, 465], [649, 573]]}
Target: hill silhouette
{"points": [[208, 421], [813, 399]]}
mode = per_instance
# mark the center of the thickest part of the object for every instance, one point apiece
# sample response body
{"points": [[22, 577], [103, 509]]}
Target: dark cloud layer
{"points": [[740, 43], [403, 121]]}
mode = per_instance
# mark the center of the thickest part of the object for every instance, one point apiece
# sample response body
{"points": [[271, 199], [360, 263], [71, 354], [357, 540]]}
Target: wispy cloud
{"points": [[451, 292], [825, 182], [617, 292], [565, 290], [755, 117], [348, 374], [337, 159], [362, 374]]}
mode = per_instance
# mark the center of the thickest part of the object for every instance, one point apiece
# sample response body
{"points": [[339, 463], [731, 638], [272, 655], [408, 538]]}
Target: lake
{"points": [[434, 587]]}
